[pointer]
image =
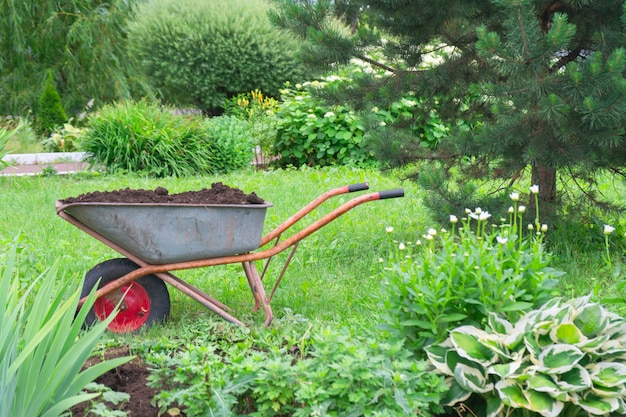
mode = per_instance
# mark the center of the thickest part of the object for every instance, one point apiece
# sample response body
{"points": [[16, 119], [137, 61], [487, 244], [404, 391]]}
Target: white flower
{"points": [[375, 109], [544, 228], [401, 246], [467, 211], [428, 237], [453, 219], [484, 216], [501, 240], [381, 260], [478, 210], [514, 196], [389, 229], [521, 209], [432, 232], [511, 210], [530, 227], [382, 124], [419, 242], [534, 189], [329, 114], [311, 116], [608, 229]]}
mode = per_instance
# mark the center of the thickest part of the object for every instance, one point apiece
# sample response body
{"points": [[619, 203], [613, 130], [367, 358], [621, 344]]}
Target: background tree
{"points": [[81, 41], [199, 53], [540, 83], [50, 112]]}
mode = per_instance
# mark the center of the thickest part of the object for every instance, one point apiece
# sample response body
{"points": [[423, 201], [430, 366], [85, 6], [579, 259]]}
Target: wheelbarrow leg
{"points": [[260, 298]]}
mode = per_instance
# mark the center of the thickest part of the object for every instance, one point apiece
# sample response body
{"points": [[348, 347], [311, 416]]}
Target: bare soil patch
{"points": [[217, 194]]}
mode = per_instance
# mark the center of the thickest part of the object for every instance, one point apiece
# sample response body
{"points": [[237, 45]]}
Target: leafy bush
{"points": [[147, 137], [232, 143], [50, 112], [340, 376], [447, 279], [311, 133], [565, 359], [42, 346], [200, 53]]}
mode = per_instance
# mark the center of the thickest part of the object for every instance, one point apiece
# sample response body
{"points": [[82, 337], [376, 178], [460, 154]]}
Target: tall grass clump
{"points": [[42, 346], [143, 136], [449, 278]]}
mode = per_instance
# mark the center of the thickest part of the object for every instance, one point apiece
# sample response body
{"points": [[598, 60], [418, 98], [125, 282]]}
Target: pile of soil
{"points": [[217, 194], [131, 378]]}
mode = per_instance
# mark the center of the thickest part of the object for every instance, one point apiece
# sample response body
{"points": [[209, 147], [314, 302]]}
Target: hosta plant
{"points": [[567, 358]]}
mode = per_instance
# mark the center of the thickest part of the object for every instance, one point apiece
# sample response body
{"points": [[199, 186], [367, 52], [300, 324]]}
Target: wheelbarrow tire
{"points": [[147, 300]]}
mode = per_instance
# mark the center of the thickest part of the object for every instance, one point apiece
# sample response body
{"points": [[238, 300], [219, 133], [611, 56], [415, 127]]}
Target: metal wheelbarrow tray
{"points": [[157, 238]]}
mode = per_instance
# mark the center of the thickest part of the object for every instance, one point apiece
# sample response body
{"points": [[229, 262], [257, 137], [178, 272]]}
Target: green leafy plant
{"points": [[146, 137], [340, 376], [565, 359], [449, 278], [50, 113], [257, 109], [231, 141], [42, 345], [311, 133], [64, 139]]}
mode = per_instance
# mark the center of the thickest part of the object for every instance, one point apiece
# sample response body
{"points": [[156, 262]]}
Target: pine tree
{"points": [[50, 113], [540, 82]]}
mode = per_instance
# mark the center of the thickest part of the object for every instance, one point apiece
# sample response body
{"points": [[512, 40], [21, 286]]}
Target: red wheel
{"points": [[146, 301]]}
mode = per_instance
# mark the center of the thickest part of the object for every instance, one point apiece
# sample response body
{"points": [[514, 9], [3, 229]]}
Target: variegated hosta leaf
{"points": [[575, 380], [607, 392], [566, 333], [494, 406], [592, 345], [498, 324], [467, 341], [455, 393], [544, 383], [608, 374], [598, 406], [544, 404], [511, 393], [505, 370], [471, 378], [559, 358], [437, 357], [591, 319], [495, 343]]}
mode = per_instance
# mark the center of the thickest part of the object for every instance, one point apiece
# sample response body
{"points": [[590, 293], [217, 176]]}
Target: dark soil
{"points": [[217, 194], [130, 378]]}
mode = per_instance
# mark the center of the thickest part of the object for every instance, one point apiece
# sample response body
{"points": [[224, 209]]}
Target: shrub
{"points": [[50, 112], [232, 143], [565, 359], [42, 346], [340, 376], [311, 133], [200, 53], [448, 279], [64, 139], [147, 137]]}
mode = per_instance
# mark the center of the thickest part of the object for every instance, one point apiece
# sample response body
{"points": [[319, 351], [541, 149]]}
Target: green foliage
{"points": [[448, 279], [564, 359], [340, 376], [308, 132], [145, 137], [64, 139], [257, 109], [199, 53], [81, 41], [42, 346], [6, 133], [231, 141], [50, 113]]}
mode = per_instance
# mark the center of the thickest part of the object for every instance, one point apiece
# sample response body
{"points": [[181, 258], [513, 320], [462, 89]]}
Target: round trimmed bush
{"points": [[201, 52]]}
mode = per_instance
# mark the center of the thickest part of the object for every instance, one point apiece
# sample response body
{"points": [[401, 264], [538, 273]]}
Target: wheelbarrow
{"points": [[158, 238]]}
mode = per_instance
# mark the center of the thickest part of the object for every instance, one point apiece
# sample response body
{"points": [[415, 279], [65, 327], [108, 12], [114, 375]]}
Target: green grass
{"points": [[335, 277], [25, 141]]}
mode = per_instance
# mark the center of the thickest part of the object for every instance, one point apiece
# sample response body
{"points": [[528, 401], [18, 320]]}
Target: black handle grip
{"points": [[358, 187], [398, 192]]}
